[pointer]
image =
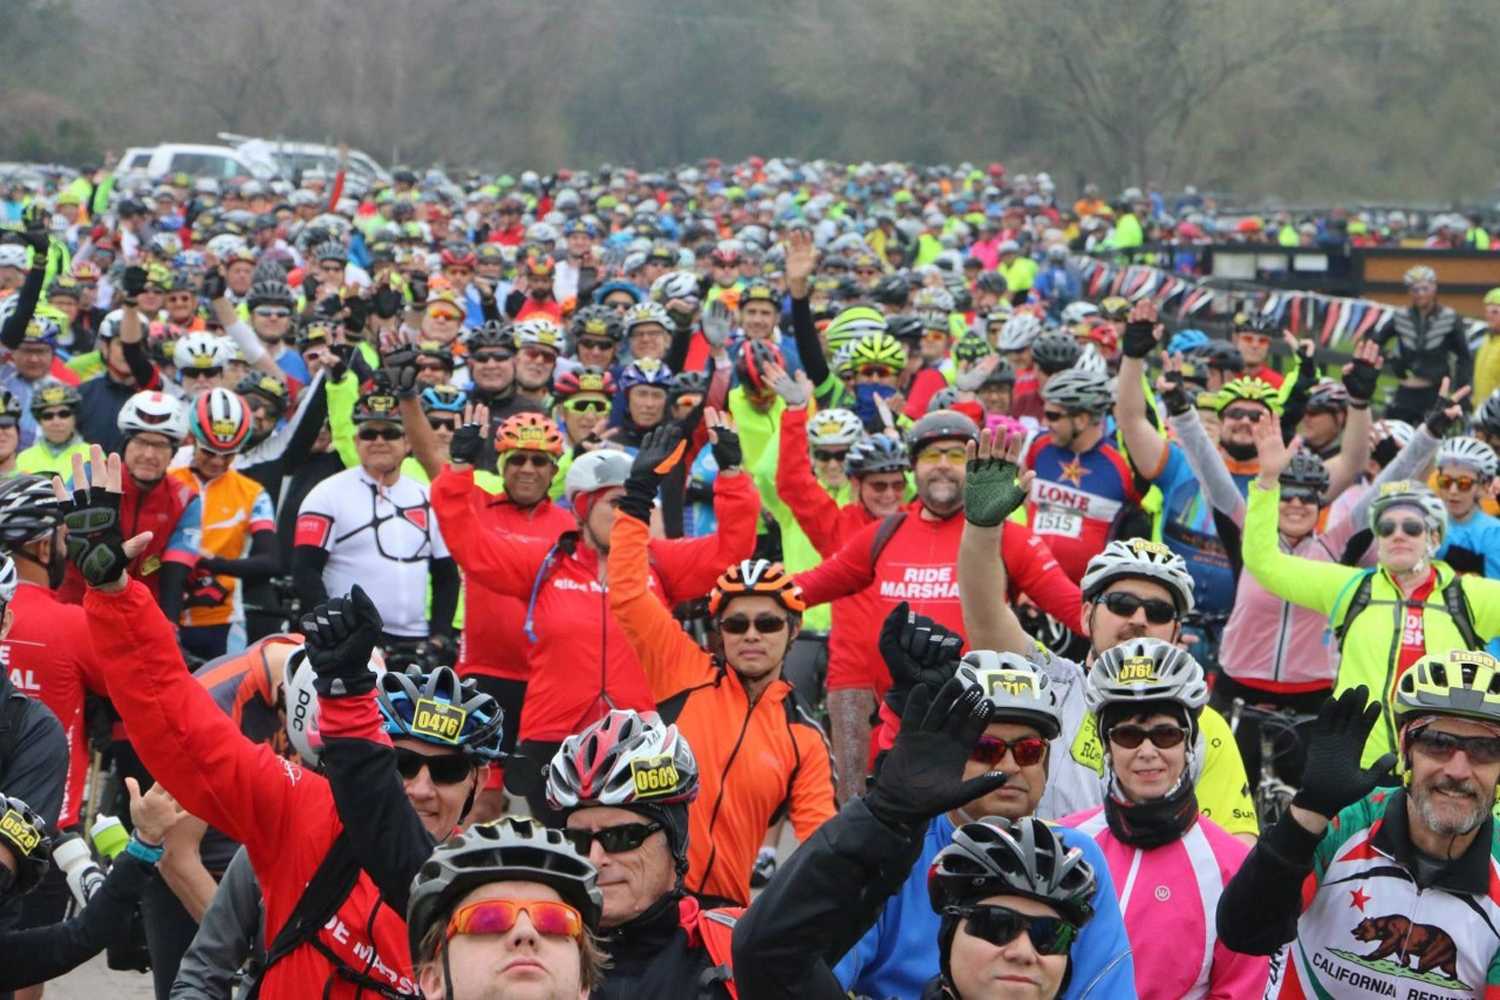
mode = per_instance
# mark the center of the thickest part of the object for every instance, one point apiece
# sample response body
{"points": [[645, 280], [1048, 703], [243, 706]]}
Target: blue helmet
{"points": [[645, 371], [437, 708], [443, 399], [1184, 341]]}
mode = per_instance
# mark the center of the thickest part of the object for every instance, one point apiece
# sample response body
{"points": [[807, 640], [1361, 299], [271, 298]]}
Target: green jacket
{"points": [[1372, 643]]}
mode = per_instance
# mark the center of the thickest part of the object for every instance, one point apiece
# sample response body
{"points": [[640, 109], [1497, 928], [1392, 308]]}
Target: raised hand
{"points": [[995, 486]]}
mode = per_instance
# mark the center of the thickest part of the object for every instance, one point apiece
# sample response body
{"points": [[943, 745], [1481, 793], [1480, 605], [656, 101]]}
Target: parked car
{"points": [[222, 163], [290, 159]]}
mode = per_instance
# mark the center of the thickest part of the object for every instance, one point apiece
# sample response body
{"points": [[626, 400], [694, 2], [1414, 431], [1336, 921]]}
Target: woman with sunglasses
{"points": [[732, 703], [54, 406], [1465, 468], [1146, 696]]}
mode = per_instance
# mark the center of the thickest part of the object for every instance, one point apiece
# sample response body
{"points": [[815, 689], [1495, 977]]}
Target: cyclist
{"points": [[1357, 879], [1251, 334], [1133, 589], [909, 556], [597, 331], [54, 406], [1324, 418], [1145, 696], [732, 704], [509, 909], [492, 368], [644, 385], [1084, 488], [1430, 345], [373, 524], [1465, 468], [885, 873], [1015, 343], [561, 579], [582, 401], [271, 305], [10, 433], [624, 786], [228, 535], [538, 343], [200, 360]]}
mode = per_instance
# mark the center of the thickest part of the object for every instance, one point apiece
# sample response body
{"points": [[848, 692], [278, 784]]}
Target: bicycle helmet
{"points": [[876, 453], [1254, 322], [529, 432], [436, 707], [586, 380], [645, 371], [1078, 312], [1471, 453], [1055, 351], [597, 321], [1419, 275], [944, 399], [877, 349], [1115, 308], [624, 759], [1250, 390], [596, 470], [970, 349], [509, 849], [756, 576], [303, 728], [1411, 493], [750, 361], [9, 580], [266, 386], [891, 290], [852, 324], [1019, 332], [1487, 417], [1184, 341], [539, 331], [906, 328], [643, 313], [1016, 690], [377, 406], [688, 384], [834, 428], [1144, 670], [28, 510], [43, 330], [50, 393], [1079, 390], [1457, 682], [200, 351], [617, 285], [944, 425], [443, 399], [1139, 559], [1221, 355], [675, 285], [220, 421], [330, 250], [1002, 374], [494, 333], [933, 300], [995, 856], [458, 255], [1328, 396], [10, 409], [1305, 470], [270, 293], [24, 831]]}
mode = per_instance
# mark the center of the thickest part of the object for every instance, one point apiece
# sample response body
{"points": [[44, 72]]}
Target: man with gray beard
{"points": [[1360, 889]]}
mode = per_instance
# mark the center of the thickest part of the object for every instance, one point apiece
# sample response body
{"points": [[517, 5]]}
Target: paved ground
{"points": [[95, 981]]}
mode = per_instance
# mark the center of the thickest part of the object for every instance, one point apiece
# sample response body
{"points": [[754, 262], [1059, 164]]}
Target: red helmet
{"points": [[750, 362], [586, 379], [220, 421], [624, 759], [459, 255]]}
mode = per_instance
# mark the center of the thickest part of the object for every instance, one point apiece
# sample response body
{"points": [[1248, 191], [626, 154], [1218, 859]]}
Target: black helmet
{"points": [[596, 321], [265, 386], [494, 333], [1305, 470], [1487, 417], [1222, 355], [1056, 351], [904, 327], [270, 293], [688, 383], [28, 510], [892, 290], [939, 426]]}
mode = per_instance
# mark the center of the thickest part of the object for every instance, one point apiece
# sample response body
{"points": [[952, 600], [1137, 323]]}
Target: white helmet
{"points": [[596, 470], [9, 579], [1398, 431], [1138, 558], [200, 350], [1018, 333], [1145, 669], [301, 698], [675, 285], [1410, 493], [1014, 687], [834, 428], [153, 413], [1469, 452], [1092, 361], [1077, 312]]}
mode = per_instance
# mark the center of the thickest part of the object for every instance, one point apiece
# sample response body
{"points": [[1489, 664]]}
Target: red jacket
{"points": [[827, 525], [919, 564], [284, 815], [494, 637], [581, 661]]}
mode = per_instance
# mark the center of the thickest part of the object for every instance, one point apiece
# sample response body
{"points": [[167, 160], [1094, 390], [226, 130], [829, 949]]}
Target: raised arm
{"points": [[816, 513], [1146, 446], [993, 487], [1349, 464]]}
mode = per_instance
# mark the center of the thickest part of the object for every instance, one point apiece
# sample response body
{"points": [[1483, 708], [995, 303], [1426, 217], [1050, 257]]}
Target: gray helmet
{"points": [[1079, 389], [1055, 352], [596, 471], [270, 293], [330, 250], [519, 850], [939, 426], [1014, 687], [1409, 492], [1142, 670], [1138, 558], [1025, 857]]}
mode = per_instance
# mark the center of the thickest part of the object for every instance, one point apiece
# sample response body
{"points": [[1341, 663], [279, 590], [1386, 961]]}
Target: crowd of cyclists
{"points": [[742, 580]]}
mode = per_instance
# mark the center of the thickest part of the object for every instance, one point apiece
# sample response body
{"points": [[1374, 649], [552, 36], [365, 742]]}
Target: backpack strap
{"points": [[715, 928], [888, 527], [529, 625], [1361, 600], [1457, 603]]}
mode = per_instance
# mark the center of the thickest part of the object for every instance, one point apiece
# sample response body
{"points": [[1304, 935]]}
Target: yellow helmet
{"points": [[1462, 683]]}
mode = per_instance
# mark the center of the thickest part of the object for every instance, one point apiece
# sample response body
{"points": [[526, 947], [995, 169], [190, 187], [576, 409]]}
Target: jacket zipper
{"points": [[713, 818]]}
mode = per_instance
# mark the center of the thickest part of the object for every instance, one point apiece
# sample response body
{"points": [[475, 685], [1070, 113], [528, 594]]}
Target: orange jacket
{"points": [[755, 762]]}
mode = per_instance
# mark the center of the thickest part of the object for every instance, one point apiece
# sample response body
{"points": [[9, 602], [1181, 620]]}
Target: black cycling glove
{"points": [[95, 543], [661, 449], [467, 443], [133, 282], [400, 369], [727, 451], [1359, 381], [1175, 396], [918, 652], [1333, 778], [1437, 420], [992, 491], [341, 634], [387, 302], [214, 286], [1139, 339]]}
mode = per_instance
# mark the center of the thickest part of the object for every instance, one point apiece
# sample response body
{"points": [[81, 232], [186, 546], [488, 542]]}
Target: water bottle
{"points": [[109, 836], [84, 875]]}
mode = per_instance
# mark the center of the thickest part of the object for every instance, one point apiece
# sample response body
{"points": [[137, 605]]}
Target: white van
{"points": [[222, 163]]}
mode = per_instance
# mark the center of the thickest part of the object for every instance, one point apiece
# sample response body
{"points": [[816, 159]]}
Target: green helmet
{"points": [[878, 349], [1251, 390], [851, 324]]}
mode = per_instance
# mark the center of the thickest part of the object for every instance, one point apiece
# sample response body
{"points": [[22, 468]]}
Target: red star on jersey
{"points": [[1073, 472], [1358, 898]]}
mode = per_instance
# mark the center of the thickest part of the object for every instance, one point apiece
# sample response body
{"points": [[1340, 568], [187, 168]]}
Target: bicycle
{"points": [[1281, 749]]}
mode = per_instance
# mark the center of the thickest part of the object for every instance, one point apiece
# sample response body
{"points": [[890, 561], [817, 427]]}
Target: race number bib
{"points": [[1066, 523]]}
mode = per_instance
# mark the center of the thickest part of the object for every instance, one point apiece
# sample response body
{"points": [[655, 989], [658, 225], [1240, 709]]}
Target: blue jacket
{"points": [[899, 955]]}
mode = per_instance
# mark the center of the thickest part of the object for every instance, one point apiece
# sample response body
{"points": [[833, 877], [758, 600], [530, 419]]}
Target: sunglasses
{"points": [[188, 373], [438, 424], [444, 315], [614, 839], [1000, 925], [938, 456], [873, 371], [498, 916], [538, 354], [766, 624], [829, 455], [991, 750], [535, 461], [595, 345], [1158, 612], [1233, 413], [1163, 737], [381, 434], [432, 366], [587, 406], [1407, 525], [54, 415], [1441, 746], [1053, 416], [1301, 494], [885, 486], [272, 312], [1465, 483], [444, 769], [486, 357], [1254, 338]]}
